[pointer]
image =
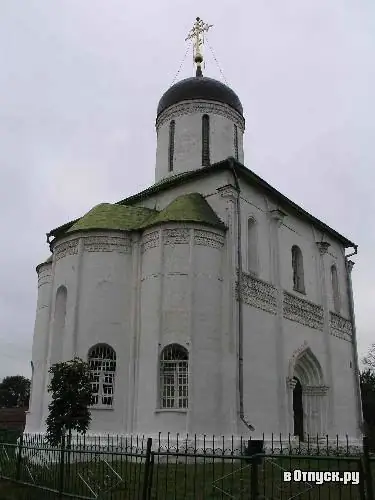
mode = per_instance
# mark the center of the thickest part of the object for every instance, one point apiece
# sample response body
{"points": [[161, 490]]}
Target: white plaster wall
{"points": [[188, 136], [40, 347], [104, 317], [181, 285], [260, 374], [343, 368]]}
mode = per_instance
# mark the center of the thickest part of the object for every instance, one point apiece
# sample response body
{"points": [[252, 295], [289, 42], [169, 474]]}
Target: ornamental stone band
{"points": [[176, 236], [107, 244], [201, 106], [258, 293], [340, 327], [303, 311], [208, 239], [66, 248], [150, 240]]}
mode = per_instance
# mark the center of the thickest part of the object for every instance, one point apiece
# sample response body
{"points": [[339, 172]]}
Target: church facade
{"points": [[208, 303]]}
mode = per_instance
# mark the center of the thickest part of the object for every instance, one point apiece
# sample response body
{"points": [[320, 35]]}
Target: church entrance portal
{"points": [[298, 409]]}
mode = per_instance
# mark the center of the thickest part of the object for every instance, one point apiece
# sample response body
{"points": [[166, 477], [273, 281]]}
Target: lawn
{"points": [[114, 479]]}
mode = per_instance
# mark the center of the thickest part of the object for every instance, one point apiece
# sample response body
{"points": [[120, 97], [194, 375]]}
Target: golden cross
{"points": [[197, 35]]}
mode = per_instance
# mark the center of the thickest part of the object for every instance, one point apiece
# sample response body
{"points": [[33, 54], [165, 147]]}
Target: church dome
{"points": [[199, 87]]}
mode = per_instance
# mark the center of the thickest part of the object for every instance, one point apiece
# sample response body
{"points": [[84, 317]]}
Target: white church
{"points": [[208, 303]]}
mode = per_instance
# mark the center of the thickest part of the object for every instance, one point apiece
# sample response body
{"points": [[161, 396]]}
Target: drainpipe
{"points": [[239, 289], [349, 265]]}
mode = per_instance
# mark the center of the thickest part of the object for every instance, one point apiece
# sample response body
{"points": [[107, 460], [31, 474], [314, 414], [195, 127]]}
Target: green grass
{"points": [[221, 479]]}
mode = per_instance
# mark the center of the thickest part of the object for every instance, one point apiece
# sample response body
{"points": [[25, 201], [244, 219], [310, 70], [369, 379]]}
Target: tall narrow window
{"points": [[205, 140], [335, 289], [174, 377], [59, 324], [252, 250], [236, 142], [102, 364], [172, 127], [298, 274]]}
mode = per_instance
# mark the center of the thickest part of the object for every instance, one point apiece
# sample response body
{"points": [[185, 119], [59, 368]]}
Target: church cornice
{"points": [[243, 173]]}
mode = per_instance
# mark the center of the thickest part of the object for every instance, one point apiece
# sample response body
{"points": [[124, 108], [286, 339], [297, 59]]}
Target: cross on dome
{"points": [[197, 35]]}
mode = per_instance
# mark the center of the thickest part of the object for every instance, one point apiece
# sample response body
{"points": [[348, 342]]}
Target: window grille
{"points": [[172, 127], [102, 364], [205, 140], [174, 377], [298, 274]]}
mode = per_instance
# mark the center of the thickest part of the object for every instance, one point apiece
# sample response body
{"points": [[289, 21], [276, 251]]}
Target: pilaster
{"points": [[276, 218], [230, 312], [323, 249], [128, 413]]}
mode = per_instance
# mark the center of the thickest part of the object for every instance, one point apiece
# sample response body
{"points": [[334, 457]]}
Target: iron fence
{"points": [[144, 468]]}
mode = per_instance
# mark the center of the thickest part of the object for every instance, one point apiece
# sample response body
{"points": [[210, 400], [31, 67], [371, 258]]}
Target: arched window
{"points": [[252, 251], [205, 140], [102, 364], [172, 127], [59, 324], [174, 362], [335, 289], [236, 142], [297, 264]]}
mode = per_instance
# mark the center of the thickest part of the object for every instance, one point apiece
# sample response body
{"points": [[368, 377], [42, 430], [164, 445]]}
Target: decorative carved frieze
{"points": [[315, 390], [66, 248], [44, 275], [204, 107], [340, 327], [150, 240], [176, 236], [228, 191], [323, 246], [120, 244], [303, 311], [258, 293], [208, 239]]}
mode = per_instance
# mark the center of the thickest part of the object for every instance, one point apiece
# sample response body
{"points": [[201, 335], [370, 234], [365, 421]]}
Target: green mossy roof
{"points": [[190, 207], [115, 217]]}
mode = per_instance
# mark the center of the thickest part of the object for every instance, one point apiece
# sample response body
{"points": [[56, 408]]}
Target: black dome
{"points": [[199, 87]]}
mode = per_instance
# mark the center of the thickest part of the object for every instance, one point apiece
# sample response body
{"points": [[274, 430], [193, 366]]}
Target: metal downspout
{"points": [[354, 337], [239, 291]]}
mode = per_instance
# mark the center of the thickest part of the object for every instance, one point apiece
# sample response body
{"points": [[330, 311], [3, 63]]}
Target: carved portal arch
{"points": [[308, 415]]}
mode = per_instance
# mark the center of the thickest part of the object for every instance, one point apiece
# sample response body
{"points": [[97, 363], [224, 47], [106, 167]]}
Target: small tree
{"points": [[71, 397], [369, 360], [14, 391]]}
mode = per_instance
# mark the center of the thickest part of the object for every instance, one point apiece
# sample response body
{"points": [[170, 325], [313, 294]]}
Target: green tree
{"points": [[14, 392], [369, 360], [71, 397]]}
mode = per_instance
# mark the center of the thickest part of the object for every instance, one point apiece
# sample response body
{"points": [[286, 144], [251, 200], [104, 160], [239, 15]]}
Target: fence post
{"points": [[367, 467], [62, 463], [19, 458], [146, 477], [255, 450]]}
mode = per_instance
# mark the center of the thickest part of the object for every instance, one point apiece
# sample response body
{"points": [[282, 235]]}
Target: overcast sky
{"points": [[79, 85]]}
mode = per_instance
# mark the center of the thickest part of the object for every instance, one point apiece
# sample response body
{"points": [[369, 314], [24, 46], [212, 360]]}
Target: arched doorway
{"points": [[297, 409], [307, 395]]}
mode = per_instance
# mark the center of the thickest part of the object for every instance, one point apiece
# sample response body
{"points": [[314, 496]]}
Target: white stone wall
{"points": [[181, 284], [40, 347], [188, 136], [176, 283]]}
